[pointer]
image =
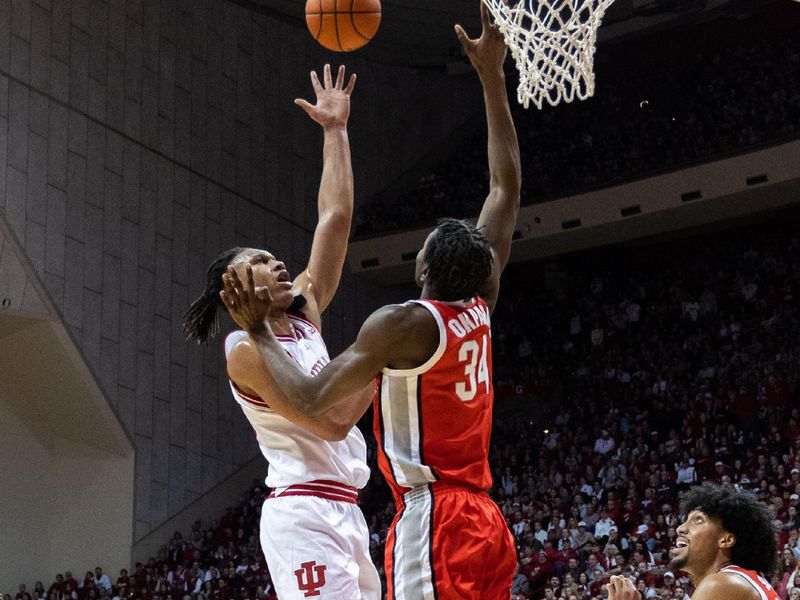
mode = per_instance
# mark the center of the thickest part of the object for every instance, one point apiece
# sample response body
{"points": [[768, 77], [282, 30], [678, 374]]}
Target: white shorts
{"points": [[318, 548]]}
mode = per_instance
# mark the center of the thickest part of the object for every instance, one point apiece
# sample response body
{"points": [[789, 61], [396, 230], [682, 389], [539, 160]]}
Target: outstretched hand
{"points": [[247, 304], [488, 52], [333, 100], [622, 588]]}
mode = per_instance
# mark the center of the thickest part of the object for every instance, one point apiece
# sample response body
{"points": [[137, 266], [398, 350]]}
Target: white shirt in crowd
{"points": [[603, 527], [602, 446], [103, 582], [685, 474], [198, 585]]}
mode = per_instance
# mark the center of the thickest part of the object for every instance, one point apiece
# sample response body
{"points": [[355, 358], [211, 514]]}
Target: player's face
{"points": [[697, 543], [421, 264], [268, 272]]}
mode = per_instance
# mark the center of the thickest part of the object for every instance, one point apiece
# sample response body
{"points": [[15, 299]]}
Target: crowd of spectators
{"points": [[664, 367], [663, 118], [673, 365]]}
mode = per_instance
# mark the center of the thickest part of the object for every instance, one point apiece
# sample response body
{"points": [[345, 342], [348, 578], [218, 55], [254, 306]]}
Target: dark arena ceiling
{"points": [[419, 33]]}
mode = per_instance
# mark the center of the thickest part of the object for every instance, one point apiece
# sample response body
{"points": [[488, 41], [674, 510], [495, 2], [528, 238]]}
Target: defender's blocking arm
{"points": [[499, 214], [247, 368], [389, 337]]}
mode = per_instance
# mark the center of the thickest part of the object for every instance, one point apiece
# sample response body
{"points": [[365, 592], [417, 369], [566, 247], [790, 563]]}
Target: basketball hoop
{"points": [[553, 44]]}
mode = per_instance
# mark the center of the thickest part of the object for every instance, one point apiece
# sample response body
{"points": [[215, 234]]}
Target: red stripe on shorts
{"points": [[329, 490]]}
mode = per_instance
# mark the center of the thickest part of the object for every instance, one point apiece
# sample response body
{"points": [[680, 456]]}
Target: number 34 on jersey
{"points": [[472, 352], [476, 370]]}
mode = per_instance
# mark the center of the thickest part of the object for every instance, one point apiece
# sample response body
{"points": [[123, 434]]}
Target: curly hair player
{"points": [[726, 544], [432, 358], [313, 534]]}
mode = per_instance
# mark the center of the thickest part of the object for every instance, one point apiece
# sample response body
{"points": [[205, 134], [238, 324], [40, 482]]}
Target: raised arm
{"points": [[499, 214], [398, 336], [335, 200]]}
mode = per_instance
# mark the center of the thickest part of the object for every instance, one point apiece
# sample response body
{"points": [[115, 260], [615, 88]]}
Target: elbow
{"points": [[311, 408], [334, 432], [509, 182], [508, 190], [337, 218], [314, 402], [339, 433], [302, 396]]}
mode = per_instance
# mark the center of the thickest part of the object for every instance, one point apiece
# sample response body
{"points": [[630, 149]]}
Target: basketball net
{"points": [[553, 44]]}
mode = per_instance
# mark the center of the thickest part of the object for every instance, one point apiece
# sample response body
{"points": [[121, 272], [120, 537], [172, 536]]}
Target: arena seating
{"points": [[660, 119]]}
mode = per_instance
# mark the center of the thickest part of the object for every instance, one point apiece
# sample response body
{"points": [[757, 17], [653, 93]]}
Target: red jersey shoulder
{"points": [[765, 590]]}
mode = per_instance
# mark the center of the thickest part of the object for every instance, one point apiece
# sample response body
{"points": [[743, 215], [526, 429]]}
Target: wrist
{"points": [[335, 128], [257, 330], [492, 75]]}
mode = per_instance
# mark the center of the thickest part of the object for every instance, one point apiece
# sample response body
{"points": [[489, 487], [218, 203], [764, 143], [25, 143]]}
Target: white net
{"points": [[553, 44]]}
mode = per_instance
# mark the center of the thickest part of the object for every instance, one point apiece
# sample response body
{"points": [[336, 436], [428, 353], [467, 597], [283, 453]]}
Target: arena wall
{"points": [[67, 484]]}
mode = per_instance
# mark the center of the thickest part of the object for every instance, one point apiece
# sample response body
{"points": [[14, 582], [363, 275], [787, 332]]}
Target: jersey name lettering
{"points": [[318, 366], [469, 320]]}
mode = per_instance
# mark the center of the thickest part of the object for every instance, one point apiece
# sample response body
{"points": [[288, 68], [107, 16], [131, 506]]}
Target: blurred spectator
{"points": [[101, 580]]}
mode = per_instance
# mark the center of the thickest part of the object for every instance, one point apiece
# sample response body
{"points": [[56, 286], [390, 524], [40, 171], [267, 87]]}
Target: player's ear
{"points": [[727, 540]]}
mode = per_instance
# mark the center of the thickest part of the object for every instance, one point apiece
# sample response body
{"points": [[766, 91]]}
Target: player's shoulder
{"points": [[405, 316], [726, 584], [408, 326], [241, 353], [236, 340]]}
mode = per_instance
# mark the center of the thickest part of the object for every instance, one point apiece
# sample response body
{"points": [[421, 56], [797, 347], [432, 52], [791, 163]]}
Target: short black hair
{"points": [[459, 260], [743, 515]]}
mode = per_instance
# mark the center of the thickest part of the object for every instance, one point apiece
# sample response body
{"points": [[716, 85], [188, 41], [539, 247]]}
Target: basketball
{"points": [[343, 25]]}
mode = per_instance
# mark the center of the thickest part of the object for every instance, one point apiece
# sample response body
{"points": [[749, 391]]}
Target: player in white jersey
{"points": [[313, 534]]}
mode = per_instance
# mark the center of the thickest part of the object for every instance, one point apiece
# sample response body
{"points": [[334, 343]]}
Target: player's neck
{"points": [[719, 563], [428, 293], [280, 323]]}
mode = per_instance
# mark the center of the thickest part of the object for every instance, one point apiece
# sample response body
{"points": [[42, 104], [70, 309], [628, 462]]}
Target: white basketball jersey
{"points": [[294, 454]]}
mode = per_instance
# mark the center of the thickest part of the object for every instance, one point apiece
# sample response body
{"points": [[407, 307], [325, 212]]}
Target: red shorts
{"points": [[449, 543]]}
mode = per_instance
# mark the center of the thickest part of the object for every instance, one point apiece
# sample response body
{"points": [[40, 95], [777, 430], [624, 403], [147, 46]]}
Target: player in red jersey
{"points": [[432, 358], [726, 544]]}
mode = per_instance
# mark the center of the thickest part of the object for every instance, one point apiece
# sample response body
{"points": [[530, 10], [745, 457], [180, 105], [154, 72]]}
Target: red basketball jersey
{"points": [[761, 585], [433, 423]]}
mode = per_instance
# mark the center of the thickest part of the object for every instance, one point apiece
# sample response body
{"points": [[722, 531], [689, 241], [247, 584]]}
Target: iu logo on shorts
{"points": [[310, 578]]}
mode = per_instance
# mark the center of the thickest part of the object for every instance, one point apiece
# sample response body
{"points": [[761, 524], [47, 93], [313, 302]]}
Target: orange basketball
{"points": [[343, 25]]}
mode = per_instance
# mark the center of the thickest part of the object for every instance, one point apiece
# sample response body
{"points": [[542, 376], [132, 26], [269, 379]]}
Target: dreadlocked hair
{"points": [[743, 515], [459, 260], [200, 322]]}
